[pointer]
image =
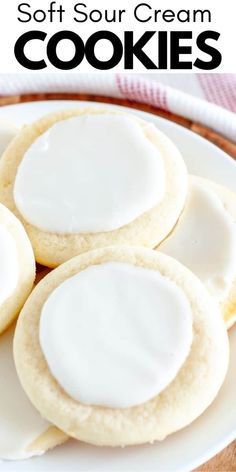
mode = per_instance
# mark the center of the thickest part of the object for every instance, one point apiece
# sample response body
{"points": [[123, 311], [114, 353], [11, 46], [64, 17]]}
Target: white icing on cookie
{"points": [[115, 334], [9, 269], [204, 240], [20, 423], [89, 173]]}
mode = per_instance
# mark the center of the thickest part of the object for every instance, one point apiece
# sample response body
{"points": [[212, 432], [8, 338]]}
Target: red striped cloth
{"points": [[220, 89]]}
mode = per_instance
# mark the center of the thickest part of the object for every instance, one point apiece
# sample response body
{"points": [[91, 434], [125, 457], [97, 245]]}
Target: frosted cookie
{"points": [[17, 267], [87, 178], [204, 240], [23, 432], [7, 132], [121, 346]]}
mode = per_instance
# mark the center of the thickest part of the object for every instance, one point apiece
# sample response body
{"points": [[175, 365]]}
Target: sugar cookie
{"points": [[87, 178], [141, 319], [7, 132], [204, 240], [17, 267]]}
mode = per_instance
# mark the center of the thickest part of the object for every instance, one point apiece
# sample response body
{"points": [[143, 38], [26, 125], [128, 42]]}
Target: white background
{"points": [[223, 21]]}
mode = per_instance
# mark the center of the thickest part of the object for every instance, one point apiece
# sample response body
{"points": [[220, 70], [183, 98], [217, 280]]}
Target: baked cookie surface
{"points": [[17, 267], [177, 404], [7, 132], [140, 224], [204, 240]]}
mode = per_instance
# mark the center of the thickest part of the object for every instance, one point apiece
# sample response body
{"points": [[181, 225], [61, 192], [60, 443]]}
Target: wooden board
{"points": [[226, 460]]}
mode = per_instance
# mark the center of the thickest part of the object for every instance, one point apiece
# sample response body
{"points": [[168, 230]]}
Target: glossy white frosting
{"points": [[20, 423], [115, 334], [9, 269], [89, 173], [204, 239]]}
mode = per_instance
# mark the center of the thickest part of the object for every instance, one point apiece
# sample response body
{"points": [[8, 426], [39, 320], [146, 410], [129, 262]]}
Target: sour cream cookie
{"points": [[121, 346], [7, 132], [204, 240], [17, 267], [87, 178]]}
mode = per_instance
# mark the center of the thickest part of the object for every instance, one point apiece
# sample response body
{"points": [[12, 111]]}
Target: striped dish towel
{"points": [[209, 99]]}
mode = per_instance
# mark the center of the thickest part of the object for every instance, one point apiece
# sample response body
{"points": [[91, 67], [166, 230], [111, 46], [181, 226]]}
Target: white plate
{"points": [[216, 428]]}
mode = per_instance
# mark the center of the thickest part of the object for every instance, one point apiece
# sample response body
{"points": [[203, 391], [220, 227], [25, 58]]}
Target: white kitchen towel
{"points": [[209, 99]]}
